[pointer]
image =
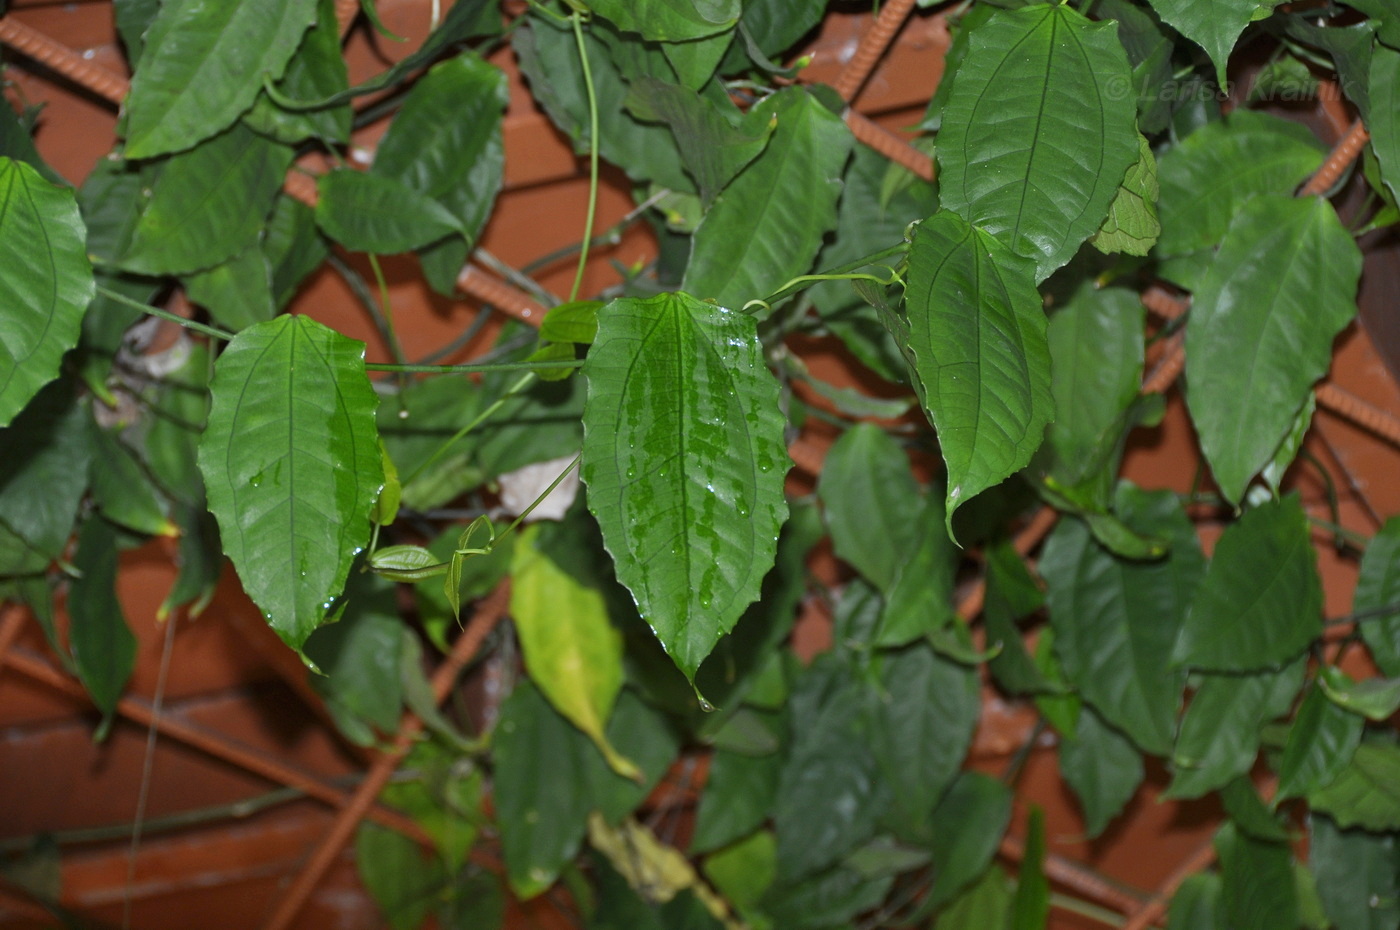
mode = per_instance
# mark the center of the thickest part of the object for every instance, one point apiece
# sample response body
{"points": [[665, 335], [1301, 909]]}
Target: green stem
{"points": [[577, 19], [212, 331], [537, 501], [1084, 909], [472, 369], [842, 271], [516, 388], [391, 336]]}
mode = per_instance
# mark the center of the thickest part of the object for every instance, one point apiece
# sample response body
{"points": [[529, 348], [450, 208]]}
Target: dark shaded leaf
{"points": [[1102, 766], [1256, 882], [868, 493], [1358, 875], [104, 651]]}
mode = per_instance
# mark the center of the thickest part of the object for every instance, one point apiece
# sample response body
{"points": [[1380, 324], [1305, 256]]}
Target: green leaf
{"points": [[291, 461], [46, 286], [17, 143], [44, 471], [639, 733], [1214, 25], [669, 20], [920, 731], [684, 461], [445, 141], [570, 647], [316, 70], [1274, 472], [968, 826], [293, 246], [1261, 327], [1037, 133], [1384, 16], [743, 871], [403, 881], [572, 322], [1011, 594], [104, 651], [829, 899], [868, 494], [1260, 603], [695, 61], [203, 65], [359, 656], [1257, 891], [238, 293], [208, 204], [985, 905], [1103, 767], [1320, 745], [373, 213], [715, 144], [1096, 353], [766, 227], [1377, 596], [122, 489], [1381, 118], [1115, 619], [1219, 736], [1060, 706], [1132, 226], [1366, 793], [1210, 175], [1358, 875], [978, 336], [1030, 906], [133, 18], [1375, 698], [739, 794], [541, 797], [920, 600], [444, 797], [1250, 815], [1196, 904]]}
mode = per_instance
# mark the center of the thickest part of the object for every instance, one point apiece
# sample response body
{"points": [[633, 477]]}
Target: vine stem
{"points": [[516, 388], [211, 331], [543, 365], [577, 19]]}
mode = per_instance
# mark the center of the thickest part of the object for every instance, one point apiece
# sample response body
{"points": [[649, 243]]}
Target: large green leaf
{"points": [[869, 496], [669, 20], [104, 651], [968, 826], [541, 797], [446, 143], [1320, 745], [1377, 597], [1256, 882], [291, 462], [1261, 327], [766, 227], [570, 647], [1358, 875], [684, 460], [1102, 766], [1367, 792], [1219, 736], [920, 600], [203, 65], [1116, 619], [1209, 176], [207, 204], [978, 336], [46, 286], [374, 213], [1214, 25], [237, 293], [1383, 117], [1260, 604], [316, 70], [642, 734], [1037, 133]]}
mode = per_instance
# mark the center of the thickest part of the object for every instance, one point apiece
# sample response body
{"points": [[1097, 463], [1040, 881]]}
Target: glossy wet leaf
{"points": [[1260, 603], [541, 798], [1260, 333], [767, 225], [1358, 875], [104, 651], [1209, 176], [1214, 25], [684, 461], [1103, 767], [47, 283], [1036, 133], [374, 213], [1377, 595], [1366, 793], [1116, 619], [203, 65], [207, 204], [977, 332], [1320, 744], [1132, 226], [1219, 734], [868, 494], [669, 20], [316, 70], [571, 649], [291, 462]]}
